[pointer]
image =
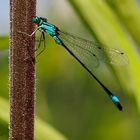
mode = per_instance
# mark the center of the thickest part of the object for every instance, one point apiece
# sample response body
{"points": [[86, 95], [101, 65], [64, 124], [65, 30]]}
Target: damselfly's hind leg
{"points": [[44, 46], [31, 57], [39, 42]]}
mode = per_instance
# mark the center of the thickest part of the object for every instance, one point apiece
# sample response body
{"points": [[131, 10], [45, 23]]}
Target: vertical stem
{"points": [[21, 70]]}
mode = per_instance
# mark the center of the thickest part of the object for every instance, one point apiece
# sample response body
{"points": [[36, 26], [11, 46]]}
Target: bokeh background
{"points": [[70, 104]]}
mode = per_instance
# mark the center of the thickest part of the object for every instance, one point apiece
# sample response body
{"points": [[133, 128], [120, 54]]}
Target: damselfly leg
{"points": [[44, 43], [42, 38]]}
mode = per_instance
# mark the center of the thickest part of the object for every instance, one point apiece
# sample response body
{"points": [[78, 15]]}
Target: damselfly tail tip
{"points": [[116, 101], [119, 106]]}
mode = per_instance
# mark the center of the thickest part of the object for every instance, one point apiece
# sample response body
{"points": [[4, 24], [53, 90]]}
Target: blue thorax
{"points": [[52, 30]]}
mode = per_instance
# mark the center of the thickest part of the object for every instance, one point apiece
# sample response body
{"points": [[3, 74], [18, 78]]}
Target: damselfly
{"points": [[87, 53]]}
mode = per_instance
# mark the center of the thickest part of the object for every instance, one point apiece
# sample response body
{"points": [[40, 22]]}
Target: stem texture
{"points": [[21, 70]]}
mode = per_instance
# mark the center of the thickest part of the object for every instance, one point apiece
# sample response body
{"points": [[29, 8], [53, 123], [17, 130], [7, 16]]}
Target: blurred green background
{"points": [[70, 105]]}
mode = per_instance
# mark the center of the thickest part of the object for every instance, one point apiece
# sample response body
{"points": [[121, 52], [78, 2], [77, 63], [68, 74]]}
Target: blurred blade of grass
{"points": [[129, 14], [43, 131], [103, 23], [46, 131], [4, 42]]}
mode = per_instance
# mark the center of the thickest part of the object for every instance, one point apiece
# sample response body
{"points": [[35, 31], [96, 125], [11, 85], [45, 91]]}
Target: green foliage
{"points": [[4, 42], [104, 24], [42, 129], [128, 13]]}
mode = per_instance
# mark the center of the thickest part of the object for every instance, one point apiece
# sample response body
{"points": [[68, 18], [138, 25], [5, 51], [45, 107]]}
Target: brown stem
{"points": [[21, 70]]}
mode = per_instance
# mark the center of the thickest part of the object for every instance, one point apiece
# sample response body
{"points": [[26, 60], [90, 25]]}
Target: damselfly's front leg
{"points": [[42, 35], [31, 33]]}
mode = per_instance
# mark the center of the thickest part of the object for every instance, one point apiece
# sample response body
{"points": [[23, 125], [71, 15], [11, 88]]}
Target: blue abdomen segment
{"points": [[116, 101], [52, 31], [57, 40]]}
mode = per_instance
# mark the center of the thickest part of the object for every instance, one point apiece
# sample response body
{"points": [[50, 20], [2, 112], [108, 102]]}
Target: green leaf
{"points": [[128, 12], [104, 25], [43, 131]]}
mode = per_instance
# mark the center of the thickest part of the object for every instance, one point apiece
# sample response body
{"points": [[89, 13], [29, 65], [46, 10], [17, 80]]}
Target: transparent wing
{"points": [[92, 53]]}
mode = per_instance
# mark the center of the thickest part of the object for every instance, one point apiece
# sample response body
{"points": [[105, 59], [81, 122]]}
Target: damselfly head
{"points": [[39, 20], [36, 20]]}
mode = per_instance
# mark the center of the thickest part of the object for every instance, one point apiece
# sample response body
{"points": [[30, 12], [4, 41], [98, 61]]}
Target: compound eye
{"points": [[44, 19]]}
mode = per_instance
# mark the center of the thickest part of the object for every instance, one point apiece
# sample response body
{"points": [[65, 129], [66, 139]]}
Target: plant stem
{"points": [[21, 70]]}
